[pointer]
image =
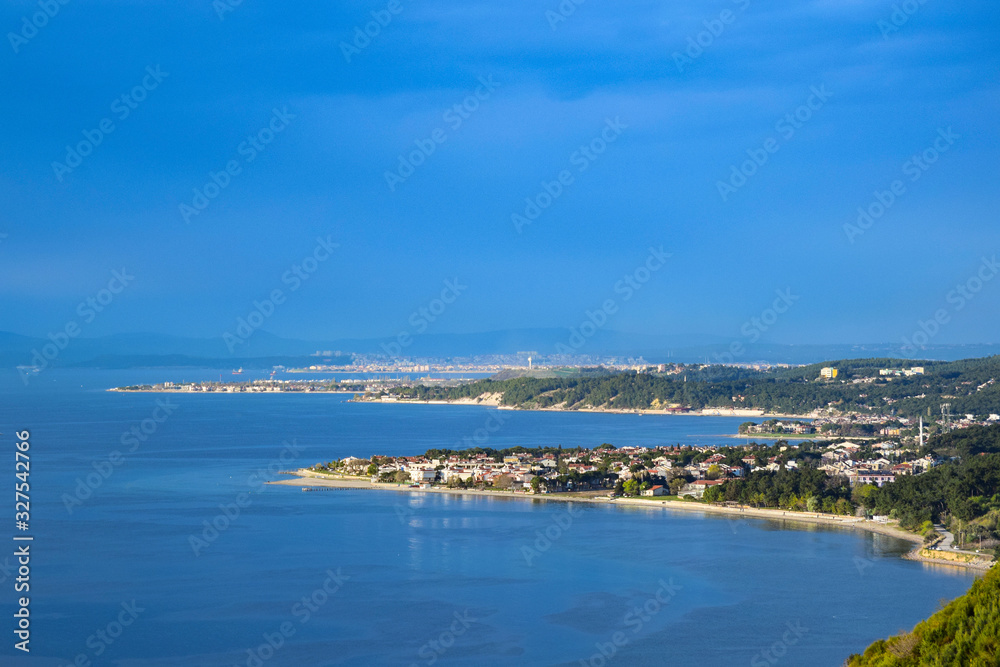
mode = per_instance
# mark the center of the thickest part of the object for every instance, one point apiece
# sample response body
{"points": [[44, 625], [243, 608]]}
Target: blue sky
{"points": [[887, 96]]}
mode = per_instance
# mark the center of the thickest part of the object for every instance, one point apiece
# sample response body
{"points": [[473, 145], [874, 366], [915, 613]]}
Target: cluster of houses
{"points": [[779, 426], [892, 426], [516, 471], [840, 460], [250, 387], [892, 372]]}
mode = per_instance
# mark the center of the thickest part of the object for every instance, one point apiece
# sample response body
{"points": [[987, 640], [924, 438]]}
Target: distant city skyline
{"points": [[807, 173]]}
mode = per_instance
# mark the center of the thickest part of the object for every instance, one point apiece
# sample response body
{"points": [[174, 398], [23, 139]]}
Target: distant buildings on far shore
{"points": [[916, 370], [830, 373]]}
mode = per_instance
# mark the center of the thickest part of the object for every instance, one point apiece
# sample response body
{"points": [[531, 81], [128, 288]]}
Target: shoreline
{"points": [[748, 414], [306, 479], [120, 390], [609, 411]]}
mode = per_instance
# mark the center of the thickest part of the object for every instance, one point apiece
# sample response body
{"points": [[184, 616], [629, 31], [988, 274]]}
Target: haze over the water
{"points": [[204, 148]]}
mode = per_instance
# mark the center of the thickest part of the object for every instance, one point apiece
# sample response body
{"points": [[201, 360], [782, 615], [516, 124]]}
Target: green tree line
{"points": [[968, 385], [965, 633]]}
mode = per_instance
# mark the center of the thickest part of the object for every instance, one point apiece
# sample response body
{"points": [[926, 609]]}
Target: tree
{"points": [[631, 487], [372, 469], [862, 492], [713, 472], [792, 390], [402, 476], [536, 484], [966, 632], [676, 484], [504, 482]]}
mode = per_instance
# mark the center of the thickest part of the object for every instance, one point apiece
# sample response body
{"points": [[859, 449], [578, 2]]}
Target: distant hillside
{"points": [[18, 350], [557, 372], [185, 361], [261, 350], [966, 633], [970, 386]]}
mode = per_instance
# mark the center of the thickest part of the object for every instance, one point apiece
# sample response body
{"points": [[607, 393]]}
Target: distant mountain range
{"points": [[263, 349]]}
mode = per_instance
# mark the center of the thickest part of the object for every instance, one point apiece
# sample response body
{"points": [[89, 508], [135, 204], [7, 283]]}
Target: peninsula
{"points": [[919, 494], [861, 397], [966, 389]]}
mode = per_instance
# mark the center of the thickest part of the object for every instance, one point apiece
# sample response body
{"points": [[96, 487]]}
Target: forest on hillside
{"points": [[969, 386], [965, 633]]}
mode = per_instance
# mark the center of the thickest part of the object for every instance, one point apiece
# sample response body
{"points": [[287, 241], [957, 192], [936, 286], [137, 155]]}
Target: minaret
{"points": [[529, 363], [921, 432]]}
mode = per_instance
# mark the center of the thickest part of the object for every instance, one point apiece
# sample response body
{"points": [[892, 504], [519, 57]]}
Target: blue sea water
{"points": [[402, 578]]}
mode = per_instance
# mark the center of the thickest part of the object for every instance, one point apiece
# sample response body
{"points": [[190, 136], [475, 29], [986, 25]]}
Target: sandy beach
{"points": [[493, 402], [307, 479]]}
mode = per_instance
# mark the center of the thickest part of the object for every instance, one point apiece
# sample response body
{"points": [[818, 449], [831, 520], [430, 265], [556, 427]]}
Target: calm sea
{"points": [[166, 549]]}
